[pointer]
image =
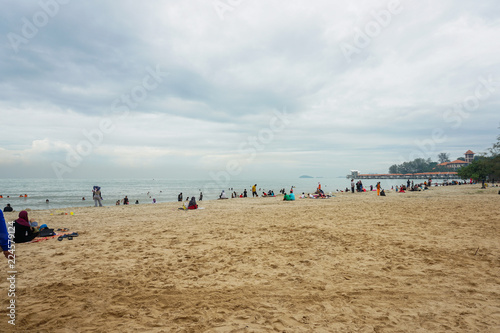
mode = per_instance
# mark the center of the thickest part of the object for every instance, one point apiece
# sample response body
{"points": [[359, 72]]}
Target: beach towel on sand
{"points": [[41, 239]]}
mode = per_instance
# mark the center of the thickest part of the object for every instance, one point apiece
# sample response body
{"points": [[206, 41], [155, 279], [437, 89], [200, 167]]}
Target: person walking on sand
{"points": [[254, 191], [378, 188], [96, 195]]}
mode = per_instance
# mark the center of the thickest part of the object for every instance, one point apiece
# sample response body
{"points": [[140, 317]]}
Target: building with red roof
{"points": [[469, 156], [457, 164]]}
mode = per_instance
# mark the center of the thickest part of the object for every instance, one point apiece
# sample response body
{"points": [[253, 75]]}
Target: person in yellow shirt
{"points": [[254, 191]]}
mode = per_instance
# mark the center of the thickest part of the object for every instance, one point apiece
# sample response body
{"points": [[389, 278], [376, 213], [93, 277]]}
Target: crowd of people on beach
{"points": [[356, 187], [410, 185], [27, 229]]}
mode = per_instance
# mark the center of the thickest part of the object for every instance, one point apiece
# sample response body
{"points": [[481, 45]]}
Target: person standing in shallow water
{"points": [[352, 185], [96, 195]]}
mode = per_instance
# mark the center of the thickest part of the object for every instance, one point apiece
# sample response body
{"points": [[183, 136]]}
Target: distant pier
{"points": [[424, 175]]}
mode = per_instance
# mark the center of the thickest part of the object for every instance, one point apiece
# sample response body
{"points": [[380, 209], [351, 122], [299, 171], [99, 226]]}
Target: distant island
{"points": [[305, 176]]}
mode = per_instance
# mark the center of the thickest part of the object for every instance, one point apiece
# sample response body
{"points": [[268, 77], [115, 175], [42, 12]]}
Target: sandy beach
{"points": [[412, 262]]}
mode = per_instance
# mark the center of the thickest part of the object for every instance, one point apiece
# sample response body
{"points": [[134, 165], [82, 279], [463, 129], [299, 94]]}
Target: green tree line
{"points": [[418, 165]]}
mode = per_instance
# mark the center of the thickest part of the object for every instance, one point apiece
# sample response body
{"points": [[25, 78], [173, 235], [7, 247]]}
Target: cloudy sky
{"points": [[192, 89]]}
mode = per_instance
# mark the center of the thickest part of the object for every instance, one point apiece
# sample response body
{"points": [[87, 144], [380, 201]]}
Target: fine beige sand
{"points": [[414, 262]]}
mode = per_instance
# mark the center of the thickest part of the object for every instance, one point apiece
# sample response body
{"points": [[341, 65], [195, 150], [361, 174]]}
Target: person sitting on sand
{"points": [[8, 208], [192, 204], [118, 202], [222, 195], [24, 232], [125, 200]]}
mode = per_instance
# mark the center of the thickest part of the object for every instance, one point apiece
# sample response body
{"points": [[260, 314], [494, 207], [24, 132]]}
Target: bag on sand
{"points": [[46, 233]]}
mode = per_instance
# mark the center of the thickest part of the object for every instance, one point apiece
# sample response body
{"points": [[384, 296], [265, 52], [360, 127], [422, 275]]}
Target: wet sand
{"points": [[412, 262]]}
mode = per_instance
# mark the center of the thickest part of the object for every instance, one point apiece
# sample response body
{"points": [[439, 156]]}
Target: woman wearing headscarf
{"points": [[23, 230], [192, 204], [96, 195]]}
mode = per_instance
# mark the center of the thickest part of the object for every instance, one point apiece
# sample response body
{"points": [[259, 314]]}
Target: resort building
{"points": [[469, 156], [457, 164]]}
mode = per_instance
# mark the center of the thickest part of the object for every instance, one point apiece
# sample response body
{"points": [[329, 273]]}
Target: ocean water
{"points": [[69, 192]]}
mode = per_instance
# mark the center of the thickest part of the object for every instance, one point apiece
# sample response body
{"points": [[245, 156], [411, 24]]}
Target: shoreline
{"points": [[69, 195], [132, 201]]}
